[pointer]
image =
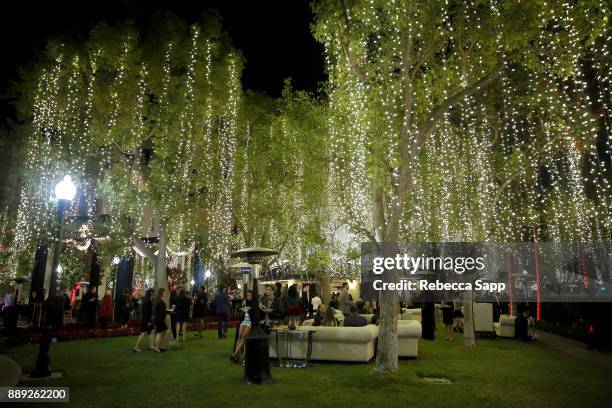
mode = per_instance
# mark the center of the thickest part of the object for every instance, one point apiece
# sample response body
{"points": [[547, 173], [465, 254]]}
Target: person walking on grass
{"points": [[124, 308], [146, 321], [447, 319], [183, 305], [222, 303], [159, 319], [199, 309]]}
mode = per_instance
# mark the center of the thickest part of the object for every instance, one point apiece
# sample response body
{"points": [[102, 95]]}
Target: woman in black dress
{"points": [[146, 321], [447, 319], [200, 307], [159, 318], [183, 305]]}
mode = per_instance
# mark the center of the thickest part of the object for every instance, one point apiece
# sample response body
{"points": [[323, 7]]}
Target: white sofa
{"points": [[506, 326], [411, 314], [408, 334], [331, 343]]}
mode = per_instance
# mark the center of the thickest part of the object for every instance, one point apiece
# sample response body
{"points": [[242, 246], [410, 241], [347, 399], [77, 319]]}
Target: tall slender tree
{"points": [[443, 112]]}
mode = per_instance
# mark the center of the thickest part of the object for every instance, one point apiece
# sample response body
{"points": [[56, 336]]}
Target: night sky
{"points": [[274, 35]]}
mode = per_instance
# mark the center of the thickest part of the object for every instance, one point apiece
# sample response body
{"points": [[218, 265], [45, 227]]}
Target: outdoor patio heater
{"points": [[257, 359]]}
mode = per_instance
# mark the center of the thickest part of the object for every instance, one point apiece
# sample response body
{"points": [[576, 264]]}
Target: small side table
{"points": [[290, 337]]}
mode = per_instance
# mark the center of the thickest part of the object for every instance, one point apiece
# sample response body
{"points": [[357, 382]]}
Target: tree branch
{"points": [[142, 247], [379, 211], [408, 154], [355, 68], [428, 126]]}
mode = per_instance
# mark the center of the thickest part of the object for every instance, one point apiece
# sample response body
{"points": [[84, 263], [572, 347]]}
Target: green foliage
{"points": [[476, 100]]}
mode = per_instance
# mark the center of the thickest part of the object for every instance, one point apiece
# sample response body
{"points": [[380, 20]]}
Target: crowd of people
{"points": [[167, 323], [14, 308]]}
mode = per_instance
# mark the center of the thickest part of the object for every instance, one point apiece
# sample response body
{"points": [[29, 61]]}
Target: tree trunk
{"points": [[469, 338], [161, 272], [158, 261], [325, 289], [386, 355]]}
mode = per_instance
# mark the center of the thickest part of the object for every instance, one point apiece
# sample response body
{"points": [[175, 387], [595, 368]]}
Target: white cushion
{"points": [[408, 334]]}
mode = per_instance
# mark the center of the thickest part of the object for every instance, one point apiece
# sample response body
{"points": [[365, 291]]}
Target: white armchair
{"points": [[483, 318], [506, 326]]}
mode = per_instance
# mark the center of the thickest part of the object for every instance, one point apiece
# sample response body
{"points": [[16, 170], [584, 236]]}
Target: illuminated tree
{"points": [[444, 116], [146, 127]]}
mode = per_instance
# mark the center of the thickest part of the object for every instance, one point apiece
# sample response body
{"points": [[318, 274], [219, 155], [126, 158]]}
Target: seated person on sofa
{"points": [[353, 319], [360, 306], [329, 318], [376, 317], [319, 316]]}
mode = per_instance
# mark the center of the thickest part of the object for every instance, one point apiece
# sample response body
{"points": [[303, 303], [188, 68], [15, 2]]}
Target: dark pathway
{"points": [[574, 348]]}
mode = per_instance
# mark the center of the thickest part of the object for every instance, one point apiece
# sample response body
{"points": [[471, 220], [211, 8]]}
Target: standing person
{"points": [[173, 297], [37, 301], [458, 316], [146, 321], [333, 301], [106, 310], [135, 307], [447, 319], [305, 304], [10, 310], [199, 309], [183, 305], [159, 318], [89, 306], [293, 307], [272, 307], [125, 305], [344, 300], [244, 329], [315, 302], [222, 304]]}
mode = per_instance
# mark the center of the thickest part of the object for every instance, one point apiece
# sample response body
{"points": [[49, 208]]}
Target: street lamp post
{"points": [[64, 192]]}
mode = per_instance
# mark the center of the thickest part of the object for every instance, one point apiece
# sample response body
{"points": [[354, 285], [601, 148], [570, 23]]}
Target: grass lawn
{"points": [[500, 373]]}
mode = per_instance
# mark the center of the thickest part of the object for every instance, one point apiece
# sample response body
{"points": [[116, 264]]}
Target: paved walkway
{"points": [[10, 371], [574, 348]]}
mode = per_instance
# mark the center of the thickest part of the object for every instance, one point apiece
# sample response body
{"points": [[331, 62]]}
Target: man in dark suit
{"points": [[353, 319], [222, 303]]}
